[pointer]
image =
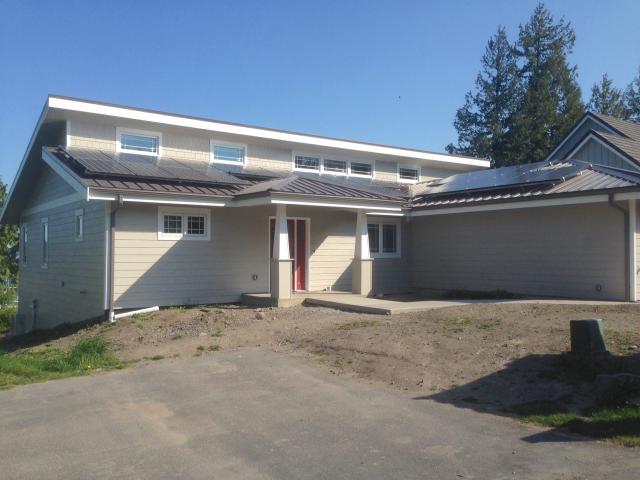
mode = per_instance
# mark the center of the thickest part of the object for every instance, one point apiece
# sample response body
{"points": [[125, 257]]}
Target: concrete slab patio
{"points": [[255, 414]]}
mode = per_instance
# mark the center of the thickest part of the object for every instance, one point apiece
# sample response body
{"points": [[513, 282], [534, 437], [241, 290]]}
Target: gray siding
{"points": [[595, 152], [552, 251], [577, 137], [71, 287]]}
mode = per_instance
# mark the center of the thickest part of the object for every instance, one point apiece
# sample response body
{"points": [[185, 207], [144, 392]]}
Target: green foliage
{"points": [[607, 99], [40, 364], [632, 99], [8, 308], [483, 121], [8, 246]]}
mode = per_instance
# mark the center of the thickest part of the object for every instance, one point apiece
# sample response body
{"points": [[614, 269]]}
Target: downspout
{"points": [[115, 206], [627, 258]]}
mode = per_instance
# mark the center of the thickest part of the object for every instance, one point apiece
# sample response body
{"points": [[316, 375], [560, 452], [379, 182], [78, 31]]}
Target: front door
{"points": [[297, 230]]}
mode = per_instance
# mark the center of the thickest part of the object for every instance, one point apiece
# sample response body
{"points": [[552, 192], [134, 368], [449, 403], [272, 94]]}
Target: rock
{"points": [[260, 316], [203, 334], [633, 347], [617, 389]]}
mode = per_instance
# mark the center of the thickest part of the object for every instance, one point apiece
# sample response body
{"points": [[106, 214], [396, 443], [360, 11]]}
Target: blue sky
{"points": [[385, 71]]}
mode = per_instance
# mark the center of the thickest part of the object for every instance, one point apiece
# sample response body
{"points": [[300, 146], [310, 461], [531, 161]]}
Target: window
{"points": [[176, 223], [79, 225], [408, 174], [303, 162], [374, 237], [228, 153], [361, 169], [138, 142], [25, 242], [45, 242], [335, 166], [384, 239]]}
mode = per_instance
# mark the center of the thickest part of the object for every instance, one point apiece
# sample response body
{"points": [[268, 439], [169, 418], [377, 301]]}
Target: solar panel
{"points": [[540, 172], [150, 167]]}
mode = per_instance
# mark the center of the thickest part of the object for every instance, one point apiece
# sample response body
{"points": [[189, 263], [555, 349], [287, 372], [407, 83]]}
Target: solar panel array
{"points": [[541, 172], [95, 162]]}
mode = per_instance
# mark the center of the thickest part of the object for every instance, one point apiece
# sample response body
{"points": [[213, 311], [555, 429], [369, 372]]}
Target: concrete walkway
{"points": [[255, 414], [357, 303]]}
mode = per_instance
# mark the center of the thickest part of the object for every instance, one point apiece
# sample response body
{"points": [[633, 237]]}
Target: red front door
{"points": [[297, 232]]}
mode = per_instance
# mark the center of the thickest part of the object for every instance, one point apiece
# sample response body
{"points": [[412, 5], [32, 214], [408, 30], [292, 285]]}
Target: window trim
{"points": [[303, 154], [44, 231], [347, 166], [184, 213], [406, 180], [147, 133], [381, 222], [24, 243], [223, 143], [78, 213], [321, 170], [359, 175]]}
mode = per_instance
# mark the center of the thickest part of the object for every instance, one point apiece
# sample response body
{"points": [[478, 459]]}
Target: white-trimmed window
{"points": [[384, 239], [78, 225], [24, 237], [361, 169], [139, 142], [335, 167], [228, 153], [44, 232], [175, 223], [306, 162], [408, 174]]}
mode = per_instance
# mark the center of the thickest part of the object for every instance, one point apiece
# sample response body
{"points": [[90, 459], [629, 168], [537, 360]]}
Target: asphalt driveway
{"points": [[255, 414]]}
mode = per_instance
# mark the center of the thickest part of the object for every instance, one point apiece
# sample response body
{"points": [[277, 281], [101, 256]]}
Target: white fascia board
{"points": [[67, 175], [386, 214], [626, 196], [213, 126], [343, 203], [156, 200], [551, 202], [575, 129]]}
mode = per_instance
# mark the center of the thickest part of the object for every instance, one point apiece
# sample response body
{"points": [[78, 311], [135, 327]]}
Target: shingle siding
{"points": [[553, 251], [71, 288]]}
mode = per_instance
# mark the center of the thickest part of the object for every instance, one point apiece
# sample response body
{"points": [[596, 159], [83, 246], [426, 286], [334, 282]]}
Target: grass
{"points": [[157, 357], [358, 324], [47, 363], [618, 425]]}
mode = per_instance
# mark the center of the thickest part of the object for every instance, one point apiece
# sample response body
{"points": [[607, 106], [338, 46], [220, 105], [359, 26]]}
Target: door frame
{"points": [[307, 247]]}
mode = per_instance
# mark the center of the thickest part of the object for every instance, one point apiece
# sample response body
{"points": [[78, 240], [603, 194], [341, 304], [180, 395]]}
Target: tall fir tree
{"points": [[551, 103], [607, 99], [483, 121], [632, 99]]}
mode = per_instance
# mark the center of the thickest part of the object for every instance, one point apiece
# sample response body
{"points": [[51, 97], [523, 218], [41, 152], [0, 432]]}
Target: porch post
{"points": [[280, 278], [362, 269], [633, 268]]}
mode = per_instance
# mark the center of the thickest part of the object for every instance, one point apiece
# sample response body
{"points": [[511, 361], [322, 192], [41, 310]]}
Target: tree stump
{"points": [[587, 337]]}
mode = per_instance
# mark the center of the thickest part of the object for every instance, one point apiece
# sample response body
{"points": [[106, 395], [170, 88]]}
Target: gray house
{"points": [[122, 208]]}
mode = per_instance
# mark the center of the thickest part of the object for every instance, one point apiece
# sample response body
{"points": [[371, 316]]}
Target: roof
{"points": [[584, 178], [60, 102]]}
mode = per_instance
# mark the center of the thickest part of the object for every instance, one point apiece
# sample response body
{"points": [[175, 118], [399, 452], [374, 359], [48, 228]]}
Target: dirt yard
{"points": [[489, 357]]}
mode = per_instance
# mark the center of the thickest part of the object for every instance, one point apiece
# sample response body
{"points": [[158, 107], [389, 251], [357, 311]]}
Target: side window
{"points": [[24, 234], [44, 225], [374, 237], [384, 239], [78, 225], [228, 153], [408, 174], [138, 142], [175, 223]]}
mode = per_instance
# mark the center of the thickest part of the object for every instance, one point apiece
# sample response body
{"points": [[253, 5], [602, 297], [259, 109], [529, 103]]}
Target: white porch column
{"points": [[633, 269], [362, 268], [280, 275]]}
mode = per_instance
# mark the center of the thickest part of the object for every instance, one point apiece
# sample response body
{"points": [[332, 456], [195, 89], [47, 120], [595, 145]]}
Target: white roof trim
{"points": [[574, 129], [214, 126]]}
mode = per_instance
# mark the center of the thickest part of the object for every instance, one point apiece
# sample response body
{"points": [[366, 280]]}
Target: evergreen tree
{"points": [[482, 122], [551, 103], [607, 99], [632, 99], [8, 246]]}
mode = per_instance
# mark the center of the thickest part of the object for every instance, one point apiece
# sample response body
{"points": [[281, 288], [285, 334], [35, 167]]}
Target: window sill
{"points": [[229, 162]]}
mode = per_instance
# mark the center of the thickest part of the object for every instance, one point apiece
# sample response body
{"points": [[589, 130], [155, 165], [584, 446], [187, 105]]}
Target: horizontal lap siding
{"points": [[390, 275], [151, 272], [71, 288], [557, 251]]}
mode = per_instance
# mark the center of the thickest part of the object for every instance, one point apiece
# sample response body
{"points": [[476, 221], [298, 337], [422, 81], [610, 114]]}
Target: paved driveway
{"points": [[259, 415]]}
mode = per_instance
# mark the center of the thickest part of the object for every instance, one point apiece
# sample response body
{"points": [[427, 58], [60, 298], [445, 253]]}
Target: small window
{"points": [[173, 224], [389, 238], [25, 242], [45, 242], [195, 225], [408, 174], [374, 240], [303, 162], [361, 169], [335, 166], [139, 143], [233, 154], [79, 225]]}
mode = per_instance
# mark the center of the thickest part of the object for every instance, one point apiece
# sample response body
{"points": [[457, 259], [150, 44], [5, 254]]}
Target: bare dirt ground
{"points": [[488, 357]]}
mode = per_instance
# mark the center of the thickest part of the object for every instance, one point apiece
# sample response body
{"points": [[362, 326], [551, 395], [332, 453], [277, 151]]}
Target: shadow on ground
{"points": [[557, 390]]}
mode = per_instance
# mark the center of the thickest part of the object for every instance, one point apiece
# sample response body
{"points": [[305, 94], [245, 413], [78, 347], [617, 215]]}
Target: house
{"points": [[123, 208], [602, 139]]}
